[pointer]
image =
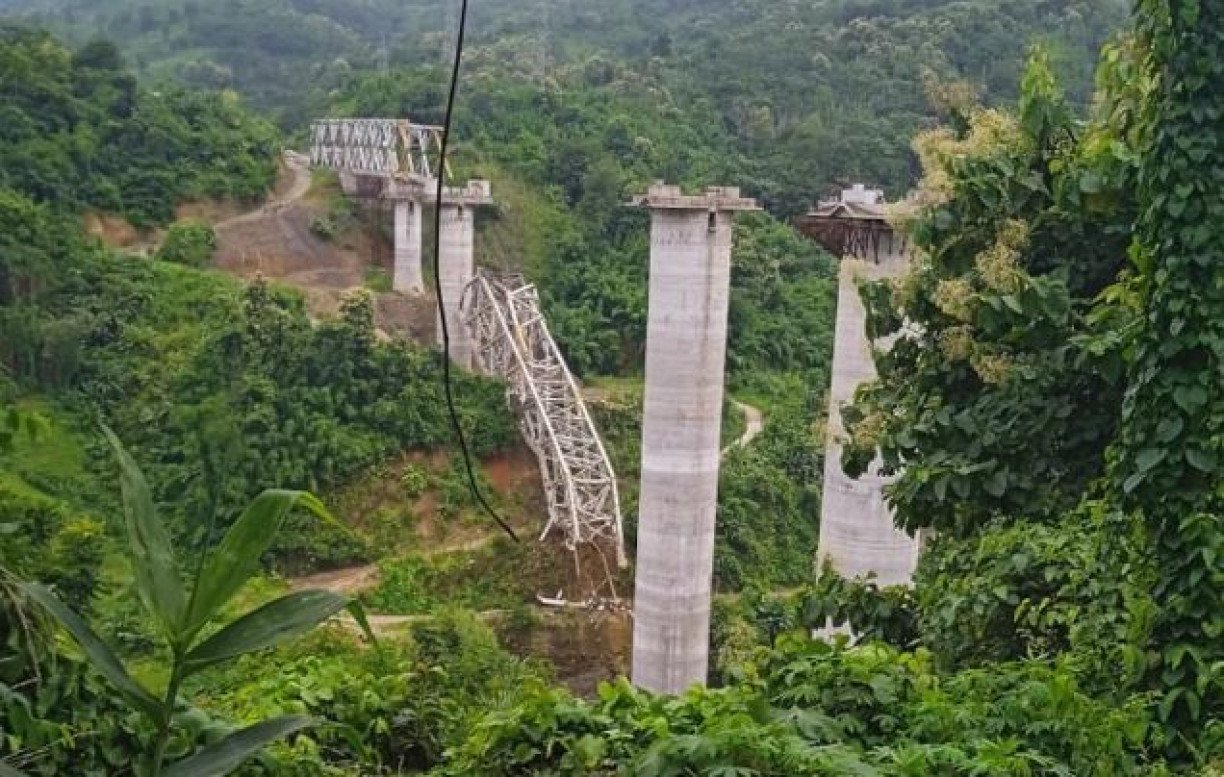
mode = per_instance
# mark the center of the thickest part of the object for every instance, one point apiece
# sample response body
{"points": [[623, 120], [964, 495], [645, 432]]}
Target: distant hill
{"points": [[810, 90]]}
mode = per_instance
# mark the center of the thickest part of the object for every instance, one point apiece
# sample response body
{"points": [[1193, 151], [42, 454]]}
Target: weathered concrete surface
{"points": [[856, 526], [456, 267], [686, 336], [457, 263], [406, 275]]}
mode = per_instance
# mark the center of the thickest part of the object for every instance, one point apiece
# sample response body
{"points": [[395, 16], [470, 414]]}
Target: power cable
{"points": [[437, 245]]}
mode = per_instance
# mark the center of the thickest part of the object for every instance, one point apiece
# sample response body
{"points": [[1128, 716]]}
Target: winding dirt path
{"points": [[754, 424], [299, 168]]}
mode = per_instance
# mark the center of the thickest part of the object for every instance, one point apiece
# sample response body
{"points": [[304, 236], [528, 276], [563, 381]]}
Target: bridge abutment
{"points": [[690, 274]]}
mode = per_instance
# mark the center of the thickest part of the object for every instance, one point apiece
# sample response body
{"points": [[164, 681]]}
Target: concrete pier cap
{"points": [[477, 192], [686, 348], [662, 195]]}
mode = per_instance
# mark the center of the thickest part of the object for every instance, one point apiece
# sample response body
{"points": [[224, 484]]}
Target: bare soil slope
{"points": [[275, 241]]}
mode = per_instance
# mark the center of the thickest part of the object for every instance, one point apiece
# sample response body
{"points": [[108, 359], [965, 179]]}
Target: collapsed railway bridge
{"points": [[496, 323]]}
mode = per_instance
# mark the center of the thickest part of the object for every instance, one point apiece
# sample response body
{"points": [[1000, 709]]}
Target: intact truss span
{"points": [[387, 148], [513, 342]]}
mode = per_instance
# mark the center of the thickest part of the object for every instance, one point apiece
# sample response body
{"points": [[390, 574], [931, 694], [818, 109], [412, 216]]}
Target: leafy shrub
{"points": [[414, 481], [807, 708], [360, 692], [1014, 592], [44, 539], [188, 242], [492, 577], [886, 614], [377, 279], [323, 227]]}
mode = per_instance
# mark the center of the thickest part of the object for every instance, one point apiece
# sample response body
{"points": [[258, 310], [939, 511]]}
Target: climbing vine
{"points": [[1169, 458]]}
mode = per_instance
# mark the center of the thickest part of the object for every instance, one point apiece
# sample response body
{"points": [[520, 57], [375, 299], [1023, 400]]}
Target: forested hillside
{"points": [[1052, 408], [807, 92]]}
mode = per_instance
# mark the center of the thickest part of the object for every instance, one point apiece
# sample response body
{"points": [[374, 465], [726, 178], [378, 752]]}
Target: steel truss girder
{"points": [[513, 342], [379, 147]]}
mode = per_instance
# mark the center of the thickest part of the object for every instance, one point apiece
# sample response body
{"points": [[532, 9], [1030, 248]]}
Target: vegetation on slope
{"points": [[805, 92], [79, 133], [1067, 612]]}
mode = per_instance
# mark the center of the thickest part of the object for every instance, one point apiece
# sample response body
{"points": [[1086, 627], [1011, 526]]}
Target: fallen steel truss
{"points": [[378, 147], [513, 342]]}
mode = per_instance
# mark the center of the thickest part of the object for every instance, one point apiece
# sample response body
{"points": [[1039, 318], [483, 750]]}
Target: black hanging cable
{"points": [[437, 244]]}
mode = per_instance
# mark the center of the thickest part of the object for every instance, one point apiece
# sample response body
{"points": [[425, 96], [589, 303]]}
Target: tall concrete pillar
{"points": [[456, 267], [457, 263], [406, 275], [857, 533], [686, 339]]}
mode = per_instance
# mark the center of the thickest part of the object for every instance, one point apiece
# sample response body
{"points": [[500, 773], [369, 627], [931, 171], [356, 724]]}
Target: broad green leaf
{"points": [[107, 664], [1204, 461], [236, 558], [157, 577], [222, 757], [277, 621], [359, 614], [1149, 458]]}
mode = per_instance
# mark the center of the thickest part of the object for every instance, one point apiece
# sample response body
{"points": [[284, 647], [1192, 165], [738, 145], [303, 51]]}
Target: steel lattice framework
{"points": [[387, 148], [513, 342]]}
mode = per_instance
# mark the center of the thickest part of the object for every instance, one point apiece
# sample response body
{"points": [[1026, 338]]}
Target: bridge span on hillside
{"points": [[382, 148], [496, 324]]}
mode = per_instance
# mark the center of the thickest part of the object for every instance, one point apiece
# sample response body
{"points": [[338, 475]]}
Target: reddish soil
{"points": [[510, 471], [113, 231]]}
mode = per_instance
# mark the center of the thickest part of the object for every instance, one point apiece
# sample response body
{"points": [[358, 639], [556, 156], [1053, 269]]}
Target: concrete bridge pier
{"points": [[457, 263], [407, 275], [857, 533], [690, 274]]}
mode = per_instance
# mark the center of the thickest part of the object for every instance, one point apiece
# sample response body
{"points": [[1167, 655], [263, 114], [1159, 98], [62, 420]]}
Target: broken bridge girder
{"points": [[388, 148], [513, 342]]}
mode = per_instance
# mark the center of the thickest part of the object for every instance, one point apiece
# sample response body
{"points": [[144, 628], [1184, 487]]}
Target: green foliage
{"points": [[1080, 588], [414, 481], [80, 133], [1168, 460], [741, 79], [341, 215], [885, 614], [15, 424], [398, 707], [1066, 528], [768, 508], [360, 693], [188, 242], [243, 388], [377, 280], [183, 616], [992, 401], [818, 710], [495, 576], [784, 291], [48, 540]]}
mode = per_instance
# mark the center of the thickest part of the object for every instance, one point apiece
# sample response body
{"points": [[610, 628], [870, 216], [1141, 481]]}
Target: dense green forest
{"points": [[1052, 407], [801, 94]]}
